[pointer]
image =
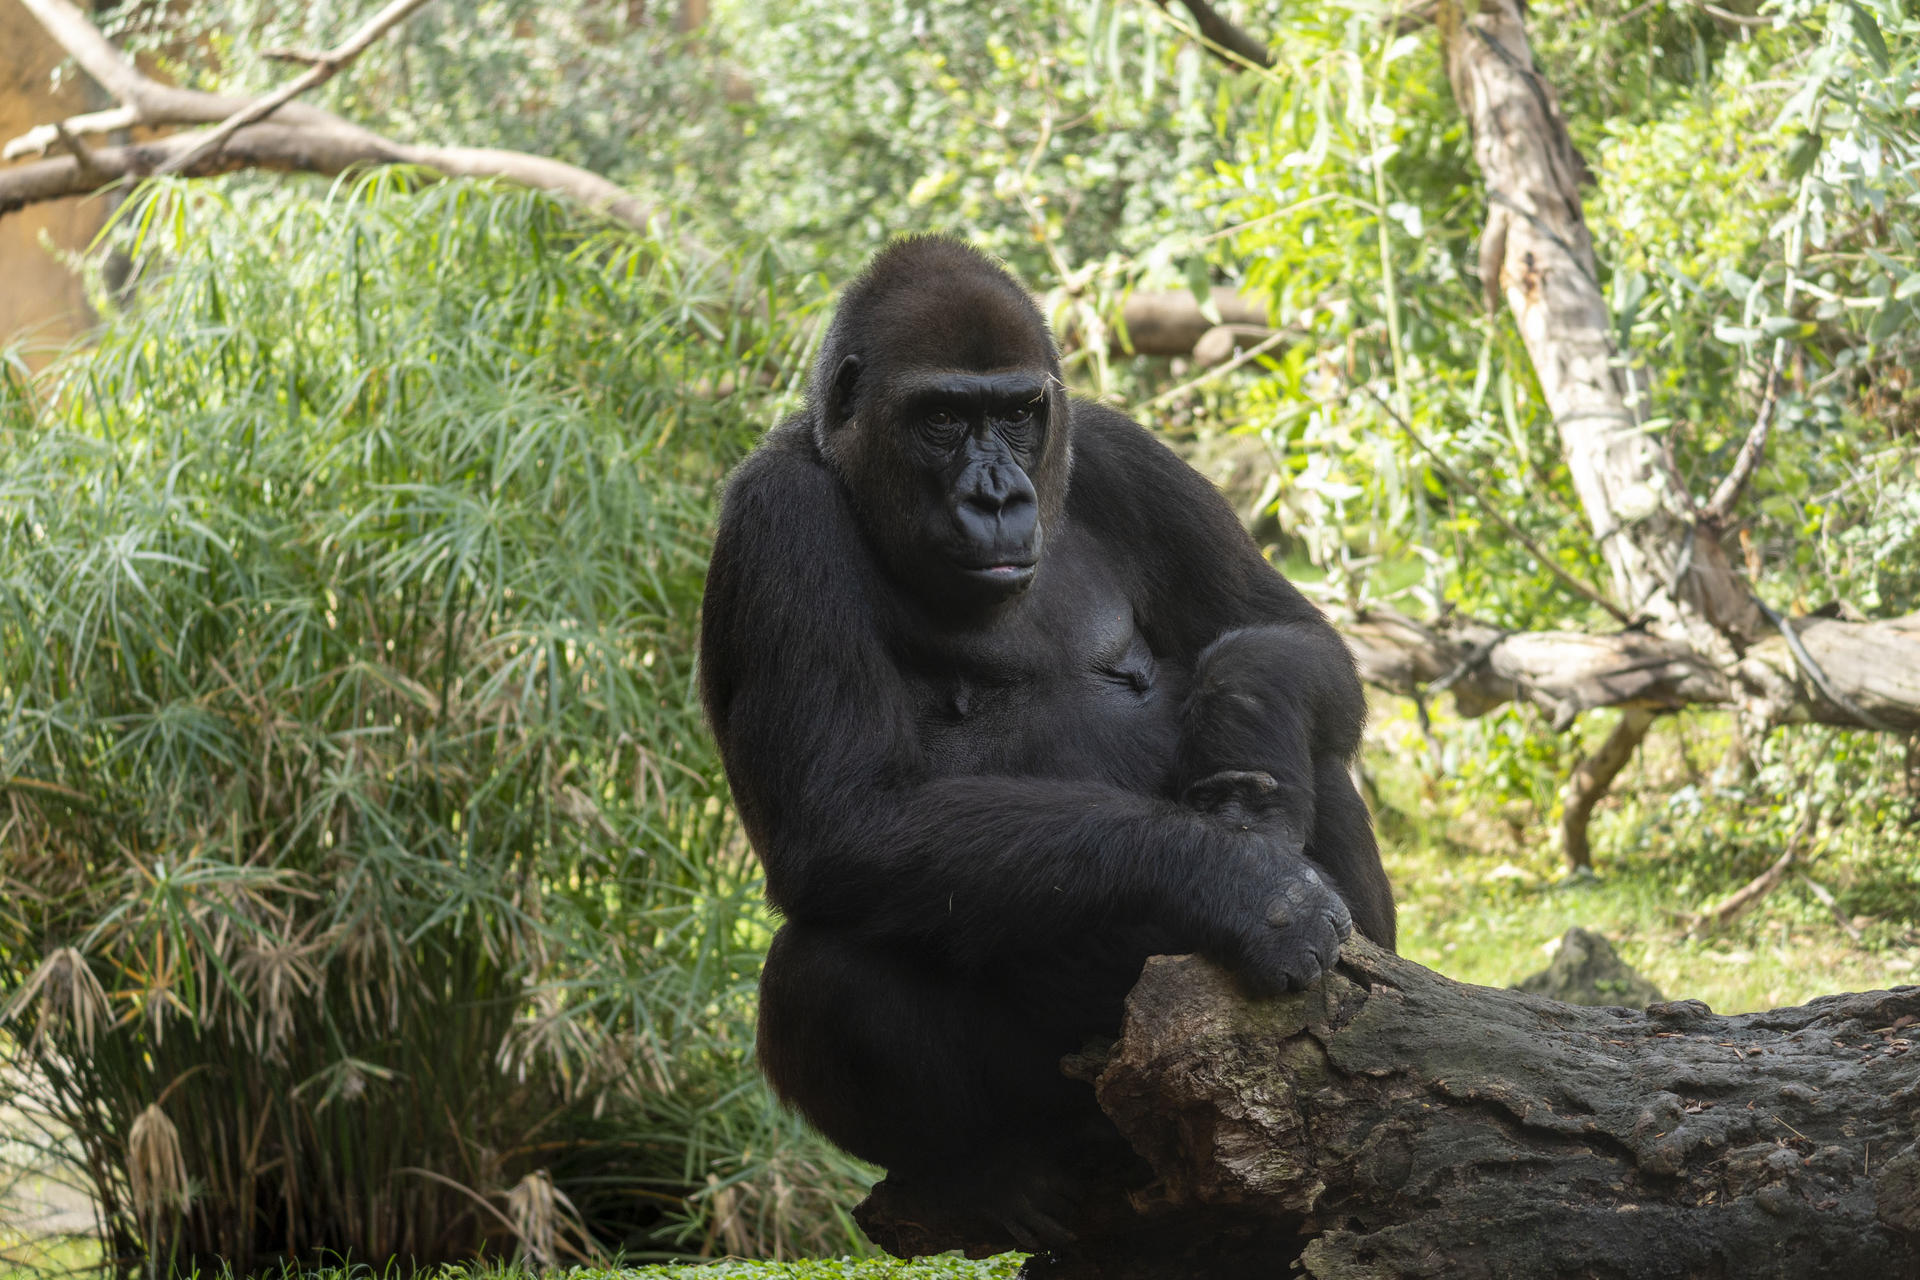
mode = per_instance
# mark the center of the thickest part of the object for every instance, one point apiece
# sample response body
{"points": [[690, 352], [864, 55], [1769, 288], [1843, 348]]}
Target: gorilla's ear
{"points": [[840, 392]]}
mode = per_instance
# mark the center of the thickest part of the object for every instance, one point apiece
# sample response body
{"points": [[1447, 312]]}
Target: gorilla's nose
{"points": [[999, 511]]}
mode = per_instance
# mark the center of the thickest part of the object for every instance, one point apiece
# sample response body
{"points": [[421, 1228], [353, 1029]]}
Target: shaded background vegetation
{"points": [[367, 881]]}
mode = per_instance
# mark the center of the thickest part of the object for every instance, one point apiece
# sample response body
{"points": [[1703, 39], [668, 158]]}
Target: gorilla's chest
{"points": [[1070, 689]]}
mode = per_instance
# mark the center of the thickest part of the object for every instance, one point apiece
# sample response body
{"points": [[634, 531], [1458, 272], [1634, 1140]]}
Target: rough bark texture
{"points": [[1391, 1124]]}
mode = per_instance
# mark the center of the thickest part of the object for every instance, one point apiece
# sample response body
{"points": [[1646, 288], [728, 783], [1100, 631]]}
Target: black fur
{"points": [[983, 799]]}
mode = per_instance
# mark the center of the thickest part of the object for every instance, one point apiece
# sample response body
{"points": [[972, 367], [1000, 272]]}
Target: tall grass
{"points": [[367, 883]]}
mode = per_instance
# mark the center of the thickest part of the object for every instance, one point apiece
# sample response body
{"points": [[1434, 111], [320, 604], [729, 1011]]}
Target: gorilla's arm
{"points": [[817, 733], [1275, 688], [1203, 590]]}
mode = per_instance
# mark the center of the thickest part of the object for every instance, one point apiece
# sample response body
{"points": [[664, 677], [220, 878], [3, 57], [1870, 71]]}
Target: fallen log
{"points": [[1874, 666], [1391, 1124]]}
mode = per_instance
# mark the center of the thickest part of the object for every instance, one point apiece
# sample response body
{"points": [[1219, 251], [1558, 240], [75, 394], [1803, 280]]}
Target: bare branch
{"points": [[1224, 40], [1589, 781], [1752, 449], [298, 138], [81, 153], [1873, 666], [289, 148], [305, 57], [324, 70], [37, 140]]}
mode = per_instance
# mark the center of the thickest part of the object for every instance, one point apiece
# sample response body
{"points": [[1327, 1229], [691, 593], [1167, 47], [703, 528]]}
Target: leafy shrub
{"points": [[369, 882]]}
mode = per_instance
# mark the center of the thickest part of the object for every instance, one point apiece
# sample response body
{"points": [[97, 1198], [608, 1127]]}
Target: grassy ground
{"points": [[1484, 894]]}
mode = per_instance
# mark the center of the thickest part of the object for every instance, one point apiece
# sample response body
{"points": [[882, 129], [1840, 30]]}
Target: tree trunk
{"points": [[1589, 783], [1536, 249], [1391, 1124]]}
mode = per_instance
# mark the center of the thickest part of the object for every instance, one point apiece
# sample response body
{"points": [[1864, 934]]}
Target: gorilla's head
{"points": [[937, 398]]}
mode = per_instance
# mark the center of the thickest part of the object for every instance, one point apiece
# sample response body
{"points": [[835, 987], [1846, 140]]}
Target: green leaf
{"points": [[1200, 284], [1804, 153], [1869, 33], [1888, 322]]}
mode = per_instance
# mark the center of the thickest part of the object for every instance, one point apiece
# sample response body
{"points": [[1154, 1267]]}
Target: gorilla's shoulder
{"points": [[1122, 470], [784, 474]]}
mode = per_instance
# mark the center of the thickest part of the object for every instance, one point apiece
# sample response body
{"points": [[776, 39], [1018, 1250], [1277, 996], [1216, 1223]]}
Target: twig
{"points": [[1279, 336], [82, 155], [1744, 898], [322, 71], [1512, 531], [305, 57], [1720, 506]]}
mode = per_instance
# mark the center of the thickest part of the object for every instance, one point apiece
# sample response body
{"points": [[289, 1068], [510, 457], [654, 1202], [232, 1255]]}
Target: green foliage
{"points": [[1482, 897], [367, 870]]}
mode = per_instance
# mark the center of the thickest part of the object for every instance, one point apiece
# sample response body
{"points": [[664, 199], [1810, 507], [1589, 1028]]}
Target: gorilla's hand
{"points": [[1250, 800], [1290, 928]]}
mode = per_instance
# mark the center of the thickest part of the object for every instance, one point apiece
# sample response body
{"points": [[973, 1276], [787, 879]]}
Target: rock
{"points": [[1587, 970]]}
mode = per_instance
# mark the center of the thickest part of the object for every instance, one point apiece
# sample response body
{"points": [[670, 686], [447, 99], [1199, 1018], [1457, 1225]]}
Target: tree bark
{"points": [[1875, 666], [1390, 1124], [1536, 250]]}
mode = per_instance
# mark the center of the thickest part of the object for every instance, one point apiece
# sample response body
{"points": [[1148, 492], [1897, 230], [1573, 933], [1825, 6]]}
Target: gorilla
{"points": [[1009, 702]]}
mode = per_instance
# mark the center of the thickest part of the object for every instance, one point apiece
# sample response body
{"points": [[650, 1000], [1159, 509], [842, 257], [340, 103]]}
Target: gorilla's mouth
{"points": [[1004, 576]]}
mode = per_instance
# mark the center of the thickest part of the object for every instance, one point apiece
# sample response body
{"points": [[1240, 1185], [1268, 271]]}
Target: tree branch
{"points": [[324, 69], [298, 139], [1873, 666], [329, 151], [1223, 39], [1589, 781]]}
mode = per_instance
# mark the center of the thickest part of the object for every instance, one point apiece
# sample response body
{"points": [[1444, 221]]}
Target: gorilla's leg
{"points": [[1244, 756], [954, 1086]]}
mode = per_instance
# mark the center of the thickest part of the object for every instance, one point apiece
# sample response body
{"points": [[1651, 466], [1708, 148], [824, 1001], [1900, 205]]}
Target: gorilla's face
{"points": [[940, 405], [973, 441], [943, 462]]}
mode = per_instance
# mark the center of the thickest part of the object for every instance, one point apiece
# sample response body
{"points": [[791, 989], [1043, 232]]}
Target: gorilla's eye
{"points": [[1016, 424], [944, 425]]}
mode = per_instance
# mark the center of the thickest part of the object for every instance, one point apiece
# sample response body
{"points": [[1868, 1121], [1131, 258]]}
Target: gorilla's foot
{"points": [[993, 1206]]}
